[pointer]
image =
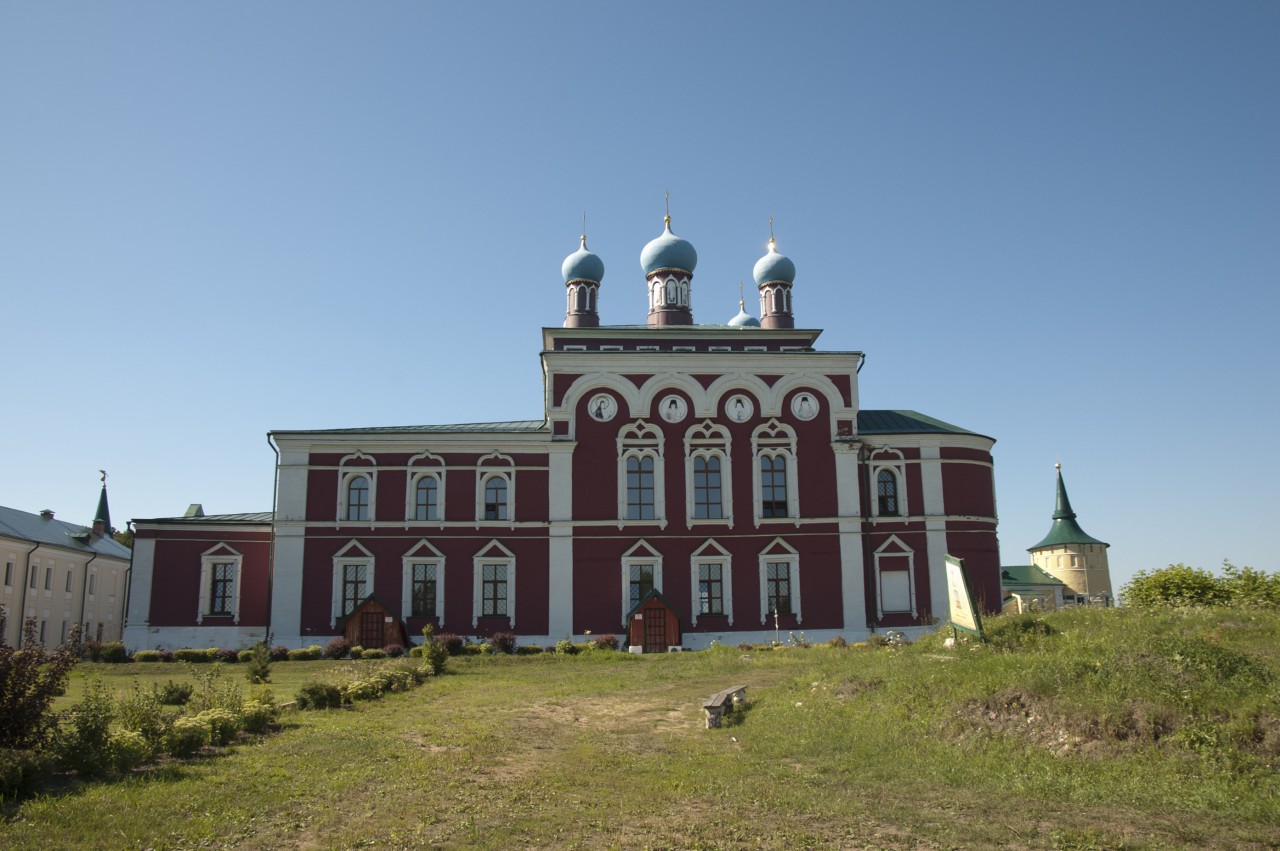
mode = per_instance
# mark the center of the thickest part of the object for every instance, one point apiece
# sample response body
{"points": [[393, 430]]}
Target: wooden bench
{"points": [[723, 701]]}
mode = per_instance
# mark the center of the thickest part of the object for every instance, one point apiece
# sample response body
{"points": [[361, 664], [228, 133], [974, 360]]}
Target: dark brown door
{"points": [[371, 629], [655, 631]]}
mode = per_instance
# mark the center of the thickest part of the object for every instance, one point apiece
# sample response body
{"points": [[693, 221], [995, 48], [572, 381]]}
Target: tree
{"points": [[1245, 586], [1179, 585], [30, 678], [124, 537]]}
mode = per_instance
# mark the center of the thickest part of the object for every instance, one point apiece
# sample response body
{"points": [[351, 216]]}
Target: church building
{"points": [[730, 468]]}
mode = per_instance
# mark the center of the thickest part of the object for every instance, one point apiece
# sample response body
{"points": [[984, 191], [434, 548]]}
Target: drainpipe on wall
{"points": [[84, 588], [864, 505], [271, 545], [26, 584], [128, 581]]}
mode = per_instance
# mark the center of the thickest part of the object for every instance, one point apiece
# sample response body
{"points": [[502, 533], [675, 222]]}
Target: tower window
{"points": [[887, 493]]}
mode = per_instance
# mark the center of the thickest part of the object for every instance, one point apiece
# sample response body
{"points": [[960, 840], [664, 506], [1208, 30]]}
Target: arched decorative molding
{"points": [[774, 440], [637, 442], [587, 385], [660, 383], [895, 578], [501, 562], [887, 460], [705, 441], [711, 594], [495, 477], [420, 466], [738, 382], [422, 553], [819, 385], [779, 558], [349, 468], [640, 555]]}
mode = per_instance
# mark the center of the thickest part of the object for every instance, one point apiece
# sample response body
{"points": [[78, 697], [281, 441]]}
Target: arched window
{"points": [[426, 499], [640, 505], [708, 502], [495, 498], [358, 498], [773, 486], [887, 493]]}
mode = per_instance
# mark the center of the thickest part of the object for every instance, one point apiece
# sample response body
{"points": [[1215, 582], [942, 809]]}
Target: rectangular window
{"points": [[426, 499], [711, 589], [8, 573], [707, 502], [221, 578], [640, 488], [92, 581], [358, 498], [69, 576], [43, 624], [641, 583], [887, 493], [495, 498], [48, 580], [895, 590], [100, 632], [773, 486], [423, 591], [778, 587], [63, 639], [32, 581], [354, 577], [494, 590]]}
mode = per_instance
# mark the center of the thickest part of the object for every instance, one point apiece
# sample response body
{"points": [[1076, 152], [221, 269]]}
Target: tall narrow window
{"points": [[70, 574], [773, 486], [887, 493], [707, 495], [640, 487], [495, 498], [354, 580], [423, 590], [92, 582], [641, 583], [48, 578], [778, 587], [426, 499], [99, 634], [8, 573], [358, 498], [32, 583], [711, 589], [221, 582], [494, 590]]}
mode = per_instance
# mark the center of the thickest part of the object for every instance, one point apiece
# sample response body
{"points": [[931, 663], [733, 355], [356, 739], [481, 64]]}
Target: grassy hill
{"points": [[1079, 729]]}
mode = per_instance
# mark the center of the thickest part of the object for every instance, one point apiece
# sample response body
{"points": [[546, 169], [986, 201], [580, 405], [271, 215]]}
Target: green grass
{"points": [[1118, 730]]}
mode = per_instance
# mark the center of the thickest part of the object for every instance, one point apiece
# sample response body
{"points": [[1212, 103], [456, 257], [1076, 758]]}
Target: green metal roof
{"points": [[458, 428], [216, 519], [1027, 574], [1065, 530], [905, 422]]}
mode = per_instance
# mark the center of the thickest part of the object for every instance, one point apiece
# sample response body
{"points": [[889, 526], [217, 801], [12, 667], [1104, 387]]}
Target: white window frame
{"points": [[788, 555], [640, 553], [496, 464], [421, 466], [896, 548], [357, 464], [777, 440], [637, 440], [711, 553], [422, 553], [708, 440], [223, 553], [504, 557], [888, 459], [354, 553]]}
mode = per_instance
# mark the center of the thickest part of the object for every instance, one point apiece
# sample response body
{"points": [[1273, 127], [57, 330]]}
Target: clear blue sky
{"points": [[1056, 224]]}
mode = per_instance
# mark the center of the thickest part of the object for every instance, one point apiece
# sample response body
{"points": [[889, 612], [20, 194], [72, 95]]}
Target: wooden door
{"points": [[655, 630], [371, 629]]}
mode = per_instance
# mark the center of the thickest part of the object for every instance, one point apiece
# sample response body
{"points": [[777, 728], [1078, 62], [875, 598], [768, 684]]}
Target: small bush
{"points": [[128, 749], [393, 651], [113, 651], [258, 664], [187, 654], [565, 647], [318, 695], [417, 651], [142, 712], [166, 655], [93, 650], [223, 725], [306, 654], [452, 643], [528, 650], [373, 653], [82, 740], [338, 648], [1011, 632], [434, 651], [279, 653], [838, 642], [226, 655], [174, 694], [187, 736], [258, 716], [20, 771], [504, 642], [357, 652], [606, 642], [147, 656]]}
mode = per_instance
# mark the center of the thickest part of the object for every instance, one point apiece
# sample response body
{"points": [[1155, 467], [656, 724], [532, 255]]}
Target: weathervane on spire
{"points": [[742, 302], [667, 217], [584, 228], [772, 243], [104, 477]]}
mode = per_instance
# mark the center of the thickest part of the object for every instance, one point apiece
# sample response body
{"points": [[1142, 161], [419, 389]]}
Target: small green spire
{"points": [[104, 511], [1065, 530]]}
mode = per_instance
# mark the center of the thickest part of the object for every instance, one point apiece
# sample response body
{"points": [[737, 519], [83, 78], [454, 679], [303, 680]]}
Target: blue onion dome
{"points": [[582, 265], [774, 267], [668, 251], [743, 319]]}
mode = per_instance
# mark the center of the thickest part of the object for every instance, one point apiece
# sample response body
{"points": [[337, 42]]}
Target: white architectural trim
{"points": [[889, 460], [491, 466], [353, 554], [776, 440], [640, 440], [504, 558], [788, 555], [222, 553], [422, 553], [419, 467], [351, 466], [640, 553], [708, 440], [895, 548], [708, 554]]}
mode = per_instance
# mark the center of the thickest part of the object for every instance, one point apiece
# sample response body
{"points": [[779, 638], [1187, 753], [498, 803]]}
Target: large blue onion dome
{"points": [[668, 251], [582, 265], [743, 319], [774, 267]]}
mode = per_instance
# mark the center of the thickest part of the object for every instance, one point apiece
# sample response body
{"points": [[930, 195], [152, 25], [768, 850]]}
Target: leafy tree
{"points": [[124, 537], [1246, 586], [30, 678], [1179, 585]]}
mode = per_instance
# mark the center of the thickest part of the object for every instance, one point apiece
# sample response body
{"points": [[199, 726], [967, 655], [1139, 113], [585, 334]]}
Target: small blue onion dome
{"points": [[582, 265], [668, 251], [774, 267], [743, 319]]}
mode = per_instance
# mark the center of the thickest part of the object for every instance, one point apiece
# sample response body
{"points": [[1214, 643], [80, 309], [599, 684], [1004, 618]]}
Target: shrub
{"points": [[417, 651], [279, 653], [357, 652], [93, 650], [215, 691], [565, 647], [338, 648], [258, 716], [434, 651], [394, 651], [1172, 586], [223, 725], [528, 650], [259, 664], [187, 736], [82, 742], [187, 654], [1245, 586], [606, 642], [20, 770], [504, 642], [1010, 632], [141, 712], [113, 651], [226, 655], [147, 656], [373, 653], [166, 655], [30, 679], [316, 695], [128, 749], [306, 654], [838, 642], [452, 643], [174, 694]]}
